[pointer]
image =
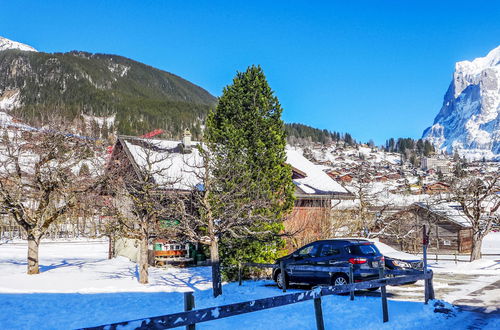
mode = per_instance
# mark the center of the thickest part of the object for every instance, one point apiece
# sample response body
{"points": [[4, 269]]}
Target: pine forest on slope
{"points": [[135, 98]]}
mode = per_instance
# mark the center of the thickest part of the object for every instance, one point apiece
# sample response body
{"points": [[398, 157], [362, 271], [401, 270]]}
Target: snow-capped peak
{"points": [[9, 44], [480, 63], [469, 121]]}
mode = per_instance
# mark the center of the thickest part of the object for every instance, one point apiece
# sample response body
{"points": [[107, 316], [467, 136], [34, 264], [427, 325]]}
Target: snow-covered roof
{"points": [[169, 166], [449, 210], [316, 181]]}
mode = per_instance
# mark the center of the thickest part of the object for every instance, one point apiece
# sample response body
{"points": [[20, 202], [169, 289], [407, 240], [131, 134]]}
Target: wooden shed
{"points": [[450, 230]]}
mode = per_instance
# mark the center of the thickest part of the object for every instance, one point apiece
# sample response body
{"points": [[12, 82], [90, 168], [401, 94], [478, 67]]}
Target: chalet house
{"points": [[314, 189], [333, 174], [450, 230], [345, 178], [436, 188], [365, 180], [382, 178], [315, 193], [394, 176]]}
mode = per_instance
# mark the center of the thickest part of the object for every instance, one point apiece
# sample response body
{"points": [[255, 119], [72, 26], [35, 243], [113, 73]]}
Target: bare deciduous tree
{"points": [[39, 181], [369, 205], [480, 202], [142, 195]]}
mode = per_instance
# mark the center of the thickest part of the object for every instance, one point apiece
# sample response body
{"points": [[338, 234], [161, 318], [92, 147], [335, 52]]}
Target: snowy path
{"points": [[79, 287]]}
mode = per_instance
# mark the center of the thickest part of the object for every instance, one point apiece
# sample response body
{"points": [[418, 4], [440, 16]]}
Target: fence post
{"points": [[430, 287], [318, 311], [188, 306], [351, 279], [239, 273], [455, 258], [436, 257], [283, 275], [425, 241], [383, 294]]}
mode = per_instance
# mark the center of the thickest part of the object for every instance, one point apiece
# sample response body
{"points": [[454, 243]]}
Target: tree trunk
{"points": [[111, 247], [33, 244], [214, 260], [475, 252], [143, 260]]}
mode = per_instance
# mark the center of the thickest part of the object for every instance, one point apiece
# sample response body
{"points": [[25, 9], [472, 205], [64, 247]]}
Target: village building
{"points": [[439, 164]]}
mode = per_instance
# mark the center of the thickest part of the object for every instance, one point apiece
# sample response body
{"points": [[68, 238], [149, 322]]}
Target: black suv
{"points": [[362, 254]]}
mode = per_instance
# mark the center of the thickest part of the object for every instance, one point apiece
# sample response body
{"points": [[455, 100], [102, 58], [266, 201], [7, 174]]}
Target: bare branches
{"points": [[479, 200], [39, 181]]}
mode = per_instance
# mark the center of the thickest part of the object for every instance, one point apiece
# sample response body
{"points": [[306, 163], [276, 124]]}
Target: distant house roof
{"points": [[180, 168]]}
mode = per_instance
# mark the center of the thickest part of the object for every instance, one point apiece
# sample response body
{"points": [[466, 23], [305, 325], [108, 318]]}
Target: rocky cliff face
{"points": [[469, 120]]}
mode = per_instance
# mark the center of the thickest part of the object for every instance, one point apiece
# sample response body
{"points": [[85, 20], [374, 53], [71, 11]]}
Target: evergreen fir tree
{"points": [[245, 134]]}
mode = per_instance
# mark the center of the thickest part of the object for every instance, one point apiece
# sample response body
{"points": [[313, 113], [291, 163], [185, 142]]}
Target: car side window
{"points": [[311, 250], [329, 250]]}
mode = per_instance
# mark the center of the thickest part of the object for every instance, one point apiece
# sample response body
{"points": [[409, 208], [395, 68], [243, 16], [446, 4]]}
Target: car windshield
{"points": [[363, 250]]}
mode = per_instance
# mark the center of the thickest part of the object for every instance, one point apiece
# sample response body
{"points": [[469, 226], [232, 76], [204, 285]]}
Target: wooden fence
{"points": [[190, 317]]}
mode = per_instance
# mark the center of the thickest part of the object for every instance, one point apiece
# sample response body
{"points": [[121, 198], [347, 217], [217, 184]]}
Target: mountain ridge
{"points": [[79, 84]]}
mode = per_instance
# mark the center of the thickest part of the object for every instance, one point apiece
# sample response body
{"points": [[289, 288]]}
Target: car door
{"points": [[329, 255], [303, 257]]}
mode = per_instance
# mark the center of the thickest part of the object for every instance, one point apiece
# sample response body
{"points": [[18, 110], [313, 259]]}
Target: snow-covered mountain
{"points": [[469, 121], [9, 44]]}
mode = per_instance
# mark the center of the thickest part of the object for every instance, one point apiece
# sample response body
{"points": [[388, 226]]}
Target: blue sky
{"points": [[376, 69]]}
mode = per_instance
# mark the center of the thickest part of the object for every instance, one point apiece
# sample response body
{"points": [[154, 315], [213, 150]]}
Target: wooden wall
{"points": [[307, 224]]}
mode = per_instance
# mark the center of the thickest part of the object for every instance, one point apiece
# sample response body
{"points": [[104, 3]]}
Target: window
{"points": [[311, 250], [329, 250], [363, 250]]}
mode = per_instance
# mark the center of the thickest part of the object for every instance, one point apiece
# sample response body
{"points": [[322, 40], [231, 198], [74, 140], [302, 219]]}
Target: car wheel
{"points": [[340, 279], [279, 280]]}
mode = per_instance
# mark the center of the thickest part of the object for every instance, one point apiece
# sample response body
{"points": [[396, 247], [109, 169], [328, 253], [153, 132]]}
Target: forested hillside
{"points": [[299, 133], [135, 97]]}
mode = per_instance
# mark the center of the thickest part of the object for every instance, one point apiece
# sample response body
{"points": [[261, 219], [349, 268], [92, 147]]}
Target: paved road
{"points": [[486, 299], [483, 300]]}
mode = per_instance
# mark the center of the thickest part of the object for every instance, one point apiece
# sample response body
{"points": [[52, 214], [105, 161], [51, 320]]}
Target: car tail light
{"points": [[357, 261], [382, 259]]}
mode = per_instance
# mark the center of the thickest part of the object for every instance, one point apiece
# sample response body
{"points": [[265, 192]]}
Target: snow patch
{"points": [[9, 44], [10, 99]]}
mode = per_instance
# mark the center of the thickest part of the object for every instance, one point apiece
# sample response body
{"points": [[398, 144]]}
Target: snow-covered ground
{"points": [[491, 243], [79, 287]]}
